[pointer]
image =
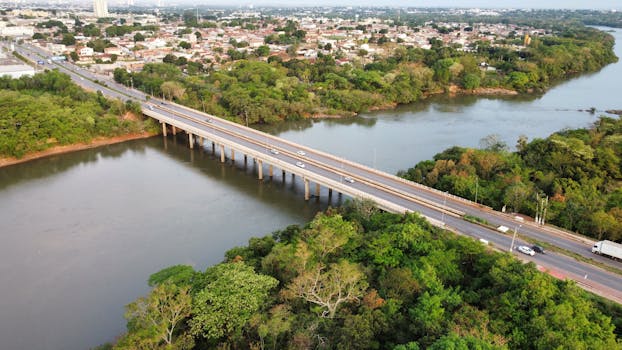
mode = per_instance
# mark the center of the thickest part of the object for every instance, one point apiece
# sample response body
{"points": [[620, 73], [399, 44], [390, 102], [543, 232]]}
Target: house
{"points": [[85, 51]]}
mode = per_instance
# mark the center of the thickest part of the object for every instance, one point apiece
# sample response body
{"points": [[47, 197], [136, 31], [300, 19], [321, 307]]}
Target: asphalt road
{"points": [[431, 203]]}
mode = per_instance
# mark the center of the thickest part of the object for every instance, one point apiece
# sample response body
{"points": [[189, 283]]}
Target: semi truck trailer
{"points": [[609, 248]]}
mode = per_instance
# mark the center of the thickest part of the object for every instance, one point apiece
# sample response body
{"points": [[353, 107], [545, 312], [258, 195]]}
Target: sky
{"points": [[565, 4]]}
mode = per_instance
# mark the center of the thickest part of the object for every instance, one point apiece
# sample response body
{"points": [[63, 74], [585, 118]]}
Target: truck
{"points": [[608, 248]]}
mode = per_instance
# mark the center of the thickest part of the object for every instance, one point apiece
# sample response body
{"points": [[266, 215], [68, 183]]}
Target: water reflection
{"points": [[57, 164]]}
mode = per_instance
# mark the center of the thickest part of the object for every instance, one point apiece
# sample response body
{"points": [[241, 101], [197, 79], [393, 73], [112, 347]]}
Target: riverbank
{"points": [[97, 142]]}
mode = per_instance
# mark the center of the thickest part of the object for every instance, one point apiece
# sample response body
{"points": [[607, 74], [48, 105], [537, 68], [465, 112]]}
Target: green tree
{"points": [[152, 320], [232, 295], [139, 37], [68, 39], [262, 51], [471, 81]]}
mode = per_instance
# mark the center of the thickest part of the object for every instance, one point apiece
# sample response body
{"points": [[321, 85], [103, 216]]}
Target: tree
{"points": [[68, 39], [342, 282], [139, 37], [185, 45], [603, 223], [172, 89], [516, 195], [91, 30], [471, 81], [158, 314], [262, 51], [232, 295]]}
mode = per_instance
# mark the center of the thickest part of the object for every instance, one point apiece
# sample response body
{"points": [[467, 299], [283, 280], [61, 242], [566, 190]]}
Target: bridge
{"points": [[317, 169]]}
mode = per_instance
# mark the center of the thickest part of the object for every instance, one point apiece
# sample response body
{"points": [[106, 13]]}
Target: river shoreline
{"points": [[97, 142]]}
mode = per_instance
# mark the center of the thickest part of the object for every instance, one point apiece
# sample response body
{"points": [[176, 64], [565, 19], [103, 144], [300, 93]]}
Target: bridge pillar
{"points": [[270, 170], [213, 148], [283, 174], [232, 156], [174, 130], [317, 190], [306, 189], [330, 192], [245, 159], [260, 169], [190, 140], [164, 129], [222, 153]]}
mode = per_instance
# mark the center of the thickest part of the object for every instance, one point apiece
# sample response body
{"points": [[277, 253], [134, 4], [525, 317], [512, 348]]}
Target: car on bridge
{"points": [[274, 151], [300, 164], [348, 179], [526, 250], [301, 153], [208, 120], [538, 249]]}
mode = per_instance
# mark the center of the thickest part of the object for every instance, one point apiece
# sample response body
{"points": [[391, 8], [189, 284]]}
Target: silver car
{"points": [[526, 250]]}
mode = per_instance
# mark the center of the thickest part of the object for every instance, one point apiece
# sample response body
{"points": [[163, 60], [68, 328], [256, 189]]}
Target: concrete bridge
{"points": [[322, 169]]}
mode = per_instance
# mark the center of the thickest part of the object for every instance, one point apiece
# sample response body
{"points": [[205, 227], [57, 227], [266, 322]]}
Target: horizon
{"points": [[525, 4], [483, 4]]}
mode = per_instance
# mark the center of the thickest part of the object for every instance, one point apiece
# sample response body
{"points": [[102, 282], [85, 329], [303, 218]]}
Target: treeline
{"points": [[252, 91], [538, 18], [48, 109], [578, 170], [356, 278]]}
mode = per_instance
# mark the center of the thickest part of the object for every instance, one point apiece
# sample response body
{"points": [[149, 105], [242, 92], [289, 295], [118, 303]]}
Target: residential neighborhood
{"points": [[129, 40]]}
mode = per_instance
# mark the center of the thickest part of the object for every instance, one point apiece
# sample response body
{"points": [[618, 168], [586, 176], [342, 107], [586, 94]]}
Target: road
{"points": [[444, 209]]}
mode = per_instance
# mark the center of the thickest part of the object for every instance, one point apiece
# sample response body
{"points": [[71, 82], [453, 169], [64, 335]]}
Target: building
{"points": [[100, 8]]}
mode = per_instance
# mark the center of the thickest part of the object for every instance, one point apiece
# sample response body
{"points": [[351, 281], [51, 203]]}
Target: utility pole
{"points": [[516, 228], [476, 187]]}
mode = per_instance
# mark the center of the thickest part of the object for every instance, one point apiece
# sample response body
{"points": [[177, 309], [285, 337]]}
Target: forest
{"points": [[572, 178], [358, 278], [48, 110], [250, 90]]}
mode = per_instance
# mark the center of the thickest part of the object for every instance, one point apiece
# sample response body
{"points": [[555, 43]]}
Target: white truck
{"points": [[608, 248]]}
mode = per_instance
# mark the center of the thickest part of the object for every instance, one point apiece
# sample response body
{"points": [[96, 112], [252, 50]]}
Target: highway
{"points": [[390, 192]]}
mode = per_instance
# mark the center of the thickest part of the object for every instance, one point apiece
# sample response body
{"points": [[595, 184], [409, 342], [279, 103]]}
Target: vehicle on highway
{"points": [[301, 153], [151, 107], [348, 179], [163, 103], [300, 164], [538, 249], [484, 241], [274, 151], [526, 250], [608, 248], [208, 120], [503, 229]]}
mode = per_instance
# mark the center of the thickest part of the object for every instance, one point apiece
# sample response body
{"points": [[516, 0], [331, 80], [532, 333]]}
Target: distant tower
{"points": [[100, 8]]}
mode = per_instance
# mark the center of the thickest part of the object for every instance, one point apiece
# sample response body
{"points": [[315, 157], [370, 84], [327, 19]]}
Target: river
{"points": [[82, 232]]}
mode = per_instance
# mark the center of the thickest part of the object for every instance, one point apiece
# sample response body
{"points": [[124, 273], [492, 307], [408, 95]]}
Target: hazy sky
{"points": [[573, 4]]}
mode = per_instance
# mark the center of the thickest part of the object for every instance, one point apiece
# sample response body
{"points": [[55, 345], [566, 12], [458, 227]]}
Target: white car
{"points": [[348, 179], [526, 250], [503, 229], [301, 153], [274, 151], [300, 164], [208, 120]]}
